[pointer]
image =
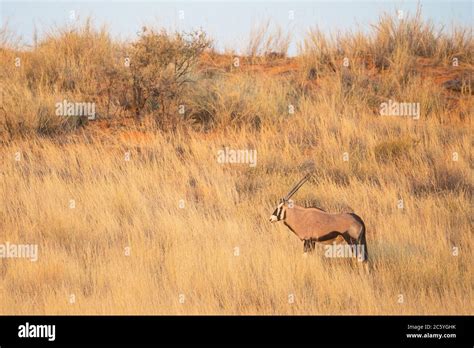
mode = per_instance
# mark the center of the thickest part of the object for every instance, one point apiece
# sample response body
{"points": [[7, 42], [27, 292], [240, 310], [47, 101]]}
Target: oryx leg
{"points": [[351, 241], [309, 245], [347, 237], [357, 248]]}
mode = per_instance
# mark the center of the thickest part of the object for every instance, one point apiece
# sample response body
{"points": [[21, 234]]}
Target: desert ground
{"points": [[133, 213]]}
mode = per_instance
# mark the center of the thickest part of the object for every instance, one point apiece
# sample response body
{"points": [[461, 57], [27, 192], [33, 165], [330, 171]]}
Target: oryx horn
{"points": [[297, 187]]}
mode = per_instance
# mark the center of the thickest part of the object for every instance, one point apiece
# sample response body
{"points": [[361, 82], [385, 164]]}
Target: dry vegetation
{"points": [[191, 250]]}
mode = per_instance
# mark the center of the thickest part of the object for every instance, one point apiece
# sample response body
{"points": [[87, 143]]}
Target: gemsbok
{"points": [[313, 225]]}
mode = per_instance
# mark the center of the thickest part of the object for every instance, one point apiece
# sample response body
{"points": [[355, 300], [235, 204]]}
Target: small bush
{"points": [[160, 67]]}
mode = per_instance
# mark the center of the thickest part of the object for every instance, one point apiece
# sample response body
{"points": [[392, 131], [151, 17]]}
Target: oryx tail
{"points": [[361, 240]]}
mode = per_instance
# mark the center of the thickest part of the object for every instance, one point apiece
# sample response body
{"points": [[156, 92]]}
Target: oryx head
{"points": [[280, 212]]}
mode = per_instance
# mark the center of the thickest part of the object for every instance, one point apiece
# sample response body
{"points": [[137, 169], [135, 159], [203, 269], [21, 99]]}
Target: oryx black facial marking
{"points": [[279, 213]]}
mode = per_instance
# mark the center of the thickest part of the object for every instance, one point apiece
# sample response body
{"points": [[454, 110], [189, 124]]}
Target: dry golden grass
{"points": [[190, 251], [183, 259]]}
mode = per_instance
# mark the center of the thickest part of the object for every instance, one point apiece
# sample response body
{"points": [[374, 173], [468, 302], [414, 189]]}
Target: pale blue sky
{"points": [[227, 22]]}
